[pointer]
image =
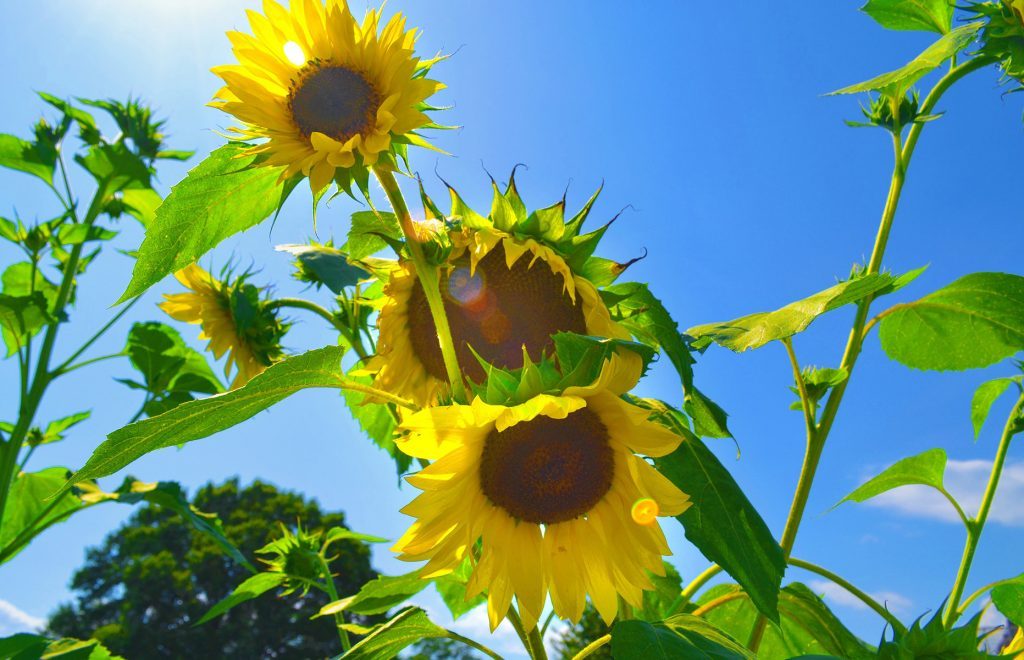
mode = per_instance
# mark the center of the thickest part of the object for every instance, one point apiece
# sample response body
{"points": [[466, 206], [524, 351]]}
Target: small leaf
{"points": [[204, 417], [709, 419], [55, 430], [407, 628], [335, 534], [452, 589], [973, 322], [29, 507], [1009, 598], [379, 595], [659, 602], [370, 232], [223, 195], [925, 469], [323, 264], [721, 521], [682, 636], [929, 15], [167, 364], [985, 396], [21, 317], [253, 587], [756, 330], [896, 83], [17, 154]]}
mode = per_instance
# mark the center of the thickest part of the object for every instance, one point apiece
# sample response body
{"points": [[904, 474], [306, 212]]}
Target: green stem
{"points": [[691, 589], [332, 591], [547, 622], [863, 597], [68, 368], [977, 526], [982, 591], [517, 625], [805, 399], [590, 648], [537, 642], [346, 332], [473, 643], [63, 368], [903, 153], [428, 280], [721, 600]]}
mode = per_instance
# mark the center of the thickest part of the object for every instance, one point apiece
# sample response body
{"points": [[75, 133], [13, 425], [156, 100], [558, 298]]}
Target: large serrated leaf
{"points": [[682, 636], [721, 521], [973, 322], [756, 330], [204, 417], [409, 627], [222, 196]]}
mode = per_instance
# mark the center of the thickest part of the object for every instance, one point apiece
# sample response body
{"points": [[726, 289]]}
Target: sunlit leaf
{"points": [[323, 264], [141, 204], [1009, 598], [452, 589], [929, 15], [924, 469], [756, 330], [976, 321], [407, 628], [370, 232], [17, 154], [682, 636], [218, 198], [985, 396], [896, 83], [29, 507], [204, 417], [379, 595]]}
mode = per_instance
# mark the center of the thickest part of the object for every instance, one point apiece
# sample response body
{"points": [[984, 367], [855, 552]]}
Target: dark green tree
{"points": [[144, 588]]}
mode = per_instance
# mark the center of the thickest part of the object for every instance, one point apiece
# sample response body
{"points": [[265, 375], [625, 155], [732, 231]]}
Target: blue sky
{"points": [[745, 187]]}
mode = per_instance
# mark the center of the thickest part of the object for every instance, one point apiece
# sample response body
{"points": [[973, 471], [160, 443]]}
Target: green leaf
{"points": [[29, 507], [370, 232], [682, 636], [115, 167], [985, 396], [636, 308], [27, 646], [721, 521], [924, 469], [379, 595], [336, 534], [973, 322], [709, 420], [17, 154], [806, 627], [223, 195], [204, 417], [21, 317], [55, 430], [1009, 598], [756, 330], [658, 603], [452, 589], [77, 234], [407, 628], [141, 204], [323, 264], [896, 83], [171, 369], [929, 15], [254, 587]]}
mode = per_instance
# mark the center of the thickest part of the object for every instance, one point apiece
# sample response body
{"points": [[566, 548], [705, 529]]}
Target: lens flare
{"points": [[645, 511], [293, 52], [464, 287]]}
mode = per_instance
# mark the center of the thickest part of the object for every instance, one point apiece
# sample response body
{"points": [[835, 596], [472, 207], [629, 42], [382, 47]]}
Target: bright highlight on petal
{"points": [[293, 52], [644, 511]]}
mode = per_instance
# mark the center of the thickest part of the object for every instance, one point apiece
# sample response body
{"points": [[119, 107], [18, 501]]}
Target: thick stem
{"points": [[691, 589], [537, 643], [428, 280], [976, 527], [716, 602], [517, 625], [903, 153]]}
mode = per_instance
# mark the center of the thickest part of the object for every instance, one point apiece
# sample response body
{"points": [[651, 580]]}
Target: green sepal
{"points": [[461, 212], [933, 640]]}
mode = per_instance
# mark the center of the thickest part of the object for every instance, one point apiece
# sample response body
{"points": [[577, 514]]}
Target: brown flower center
{"points": [[333, 100], [547, 470], [497, 311]]}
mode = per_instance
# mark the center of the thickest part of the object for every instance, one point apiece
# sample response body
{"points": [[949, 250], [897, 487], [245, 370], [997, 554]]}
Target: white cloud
{"points": [[966, 480], [13, 620], [835, 594]]}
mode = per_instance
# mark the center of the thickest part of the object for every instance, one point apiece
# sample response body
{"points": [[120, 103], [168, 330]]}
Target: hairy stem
{"points": [[977, 525], [592, 647], [428, 277]]}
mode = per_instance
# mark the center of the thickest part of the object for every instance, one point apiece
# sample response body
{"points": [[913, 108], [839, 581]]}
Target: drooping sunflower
{"points": [[510, 281], [232, 317], [324, 93], [549, 488]]}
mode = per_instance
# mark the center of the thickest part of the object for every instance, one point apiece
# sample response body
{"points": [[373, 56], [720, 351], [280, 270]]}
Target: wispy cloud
{"points": [[966, 480], [896, 603], [13, 620]]}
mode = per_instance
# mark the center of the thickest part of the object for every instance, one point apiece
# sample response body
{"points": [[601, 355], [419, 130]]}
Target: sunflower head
{"points": [[233, 316], [326, 96], [542, 497], [511, 282], [296, 554], [1003, 34]]}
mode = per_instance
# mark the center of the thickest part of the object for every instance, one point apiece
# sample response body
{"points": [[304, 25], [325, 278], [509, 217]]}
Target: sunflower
{"points": [[548, 487], [510, 282], [232, 317], [323, 92]]}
